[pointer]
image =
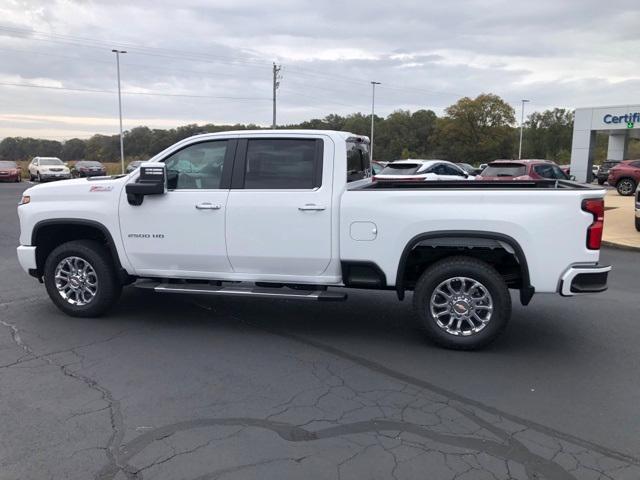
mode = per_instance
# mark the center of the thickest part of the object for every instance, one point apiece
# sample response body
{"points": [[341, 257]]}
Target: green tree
{"points": [[73, 149], [477, 130], [548, 135]]}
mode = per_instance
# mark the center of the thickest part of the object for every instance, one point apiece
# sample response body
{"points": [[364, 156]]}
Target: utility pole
{"points": [[276, 84], [118, 52], [521, 127], [373, 109]]}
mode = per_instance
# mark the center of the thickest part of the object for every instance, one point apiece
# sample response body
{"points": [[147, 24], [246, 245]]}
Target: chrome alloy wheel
{"points": [[461, 306], [626, 187], [76, 280]]}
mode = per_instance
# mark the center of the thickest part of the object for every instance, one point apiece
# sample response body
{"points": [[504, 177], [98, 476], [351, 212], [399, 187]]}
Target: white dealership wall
{"points": [[619, 121]]}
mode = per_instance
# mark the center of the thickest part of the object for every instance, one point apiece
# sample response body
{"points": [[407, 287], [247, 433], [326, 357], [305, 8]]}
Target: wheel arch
{"points": [[48, 234], [466, 239]]}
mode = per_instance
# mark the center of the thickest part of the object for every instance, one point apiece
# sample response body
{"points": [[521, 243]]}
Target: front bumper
{"points": [[27, 258], [54, 176], [581, 279]]}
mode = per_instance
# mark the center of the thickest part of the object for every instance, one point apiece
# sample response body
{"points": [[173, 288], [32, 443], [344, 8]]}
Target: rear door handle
{"points": [[311, 207], [207, 206]]}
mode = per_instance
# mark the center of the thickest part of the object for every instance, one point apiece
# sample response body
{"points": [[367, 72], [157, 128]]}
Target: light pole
{"points": [[521, 127], [373, 108], [118, 52]]}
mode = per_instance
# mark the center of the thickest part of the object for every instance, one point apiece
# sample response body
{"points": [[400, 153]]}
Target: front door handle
{"points": [[311, 207], [207, 206]]}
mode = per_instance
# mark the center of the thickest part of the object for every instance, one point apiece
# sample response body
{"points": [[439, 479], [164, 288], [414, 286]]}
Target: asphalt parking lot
{"points": [[176, 387]]}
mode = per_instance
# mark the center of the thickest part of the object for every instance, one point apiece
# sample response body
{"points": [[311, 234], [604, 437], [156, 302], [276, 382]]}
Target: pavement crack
{"points": [[115, 415]]}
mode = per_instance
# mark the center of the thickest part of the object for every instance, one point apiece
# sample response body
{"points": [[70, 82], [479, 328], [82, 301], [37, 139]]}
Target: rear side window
{"points": [[400, 169], [636, 164], [276, 163], [357, 159], [504, 170]]}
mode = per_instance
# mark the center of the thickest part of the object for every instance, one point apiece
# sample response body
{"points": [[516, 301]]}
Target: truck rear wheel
{"points": [[80, 278], [462, 303]]}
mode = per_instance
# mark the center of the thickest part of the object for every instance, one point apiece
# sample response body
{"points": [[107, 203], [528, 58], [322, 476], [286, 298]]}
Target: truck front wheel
{"points": [[462, 303], [80, 278]]}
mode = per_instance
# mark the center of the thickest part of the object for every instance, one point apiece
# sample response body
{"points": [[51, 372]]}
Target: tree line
{"points": [[473, 130]]}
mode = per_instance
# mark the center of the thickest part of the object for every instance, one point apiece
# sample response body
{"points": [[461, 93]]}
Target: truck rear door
{"points": [[278, 218]]}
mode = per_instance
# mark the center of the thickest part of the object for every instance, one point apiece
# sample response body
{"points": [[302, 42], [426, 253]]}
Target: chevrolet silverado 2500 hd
{"points": [[294, 214]]}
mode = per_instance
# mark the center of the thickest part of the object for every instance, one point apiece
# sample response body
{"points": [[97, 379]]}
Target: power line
{"points": [[142, 50], [124, 92], [205, 58]]}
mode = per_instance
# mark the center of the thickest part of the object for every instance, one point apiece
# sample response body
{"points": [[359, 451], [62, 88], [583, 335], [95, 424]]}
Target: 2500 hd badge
{"points": [[146, 235]]}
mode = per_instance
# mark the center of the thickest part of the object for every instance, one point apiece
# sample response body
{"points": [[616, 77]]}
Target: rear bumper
{"points": [[581, 279], [27, 258]]}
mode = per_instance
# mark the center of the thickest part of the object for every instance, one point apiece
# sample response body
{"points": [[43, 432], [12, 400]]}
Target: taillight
{"points": [[594, 206]]}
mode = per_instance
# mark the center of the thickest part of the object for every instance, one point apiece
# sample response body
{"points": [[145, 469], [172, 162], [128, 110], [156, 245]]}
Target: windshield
{"points": [[4, 164], [401, 169], [504, 170], [88, 164], [50, 161]]}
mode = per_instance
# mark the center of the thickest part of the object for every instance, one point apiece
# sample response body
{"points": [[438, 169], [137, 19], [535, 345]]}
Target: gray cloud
{"points": [[426, 54]]}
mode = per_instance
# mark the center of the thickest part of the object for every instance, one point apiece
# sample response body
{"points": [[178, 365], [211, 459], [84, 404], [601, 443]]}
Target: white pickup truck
{"points": [[294, 214]]}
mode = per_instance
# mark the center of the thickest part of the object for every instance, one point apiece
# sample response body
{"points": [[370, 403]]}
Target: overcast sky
{"points": [[208, 61]]}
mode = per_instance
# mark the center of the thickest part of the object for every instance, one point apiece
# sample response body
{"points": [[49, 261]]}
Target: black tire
{"points": [[38, 178], [108, 287], [473, 269], [601, 182], [638, 224], [626, 186]]}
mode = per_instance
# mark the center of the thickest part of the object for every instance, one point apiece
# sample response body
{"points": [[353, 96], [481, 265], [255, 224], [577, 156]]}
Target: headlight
{"points": [[24, 200]]}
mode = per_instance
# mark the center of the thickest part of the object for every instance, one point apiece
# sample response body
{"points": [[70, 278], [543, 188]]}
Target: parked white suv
{"points": [[422, 170], [295, 214], [48, 168]]}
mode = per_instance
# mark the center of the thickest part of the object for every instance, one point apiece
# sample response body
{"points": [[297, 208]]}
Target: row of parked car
{"points": [[424, 170], [42, 169], [623, 175]]}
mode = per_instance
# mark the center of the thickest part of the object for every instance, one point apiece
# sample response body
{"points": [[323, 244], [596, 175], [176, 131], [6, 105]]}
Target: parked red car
{"points": [[522, 170], [625, 176], [10, 171]]}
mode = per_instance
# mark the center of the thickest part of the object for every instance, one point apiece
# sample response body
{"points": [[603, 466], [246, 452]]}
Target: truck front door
{"points": [[182, 232], [279, 207]]}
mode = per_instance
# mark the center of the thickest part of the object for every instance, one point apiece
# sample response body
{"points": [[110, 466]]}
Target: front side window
{"points": [[274, 163], [197, 166]]}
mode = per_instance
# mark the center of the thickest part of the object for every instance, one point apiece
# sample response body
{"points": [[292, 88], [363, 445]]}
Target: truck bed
{"points": [[473, 184]]}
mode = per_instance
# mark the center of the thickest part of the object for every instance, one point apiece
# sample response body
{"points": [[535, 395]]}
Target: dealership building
{"points": [[619, 122]]}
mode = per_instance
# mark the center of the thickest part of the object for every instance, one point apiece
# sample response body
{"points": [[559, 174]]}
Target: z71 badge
{"points": [[101, 188]]}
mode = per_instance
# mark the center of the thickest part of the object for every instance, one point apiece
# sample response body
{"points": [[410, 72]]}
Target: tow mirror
{"points": [[151, 181]]}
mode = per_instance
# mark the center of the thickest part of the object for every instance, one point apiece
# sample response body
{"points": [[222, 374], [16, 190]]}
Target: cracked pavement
{"points": [[175, 387]]}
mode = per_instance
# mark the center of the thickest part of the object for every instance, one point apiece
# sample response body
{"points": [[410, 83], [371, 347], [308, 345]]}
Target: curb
{"points": [[620, 246]]}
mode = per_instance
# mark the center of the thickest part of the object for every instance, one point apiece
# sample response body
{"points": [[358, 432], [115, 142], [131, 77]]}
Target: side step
{"points": [[243, 291]]}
